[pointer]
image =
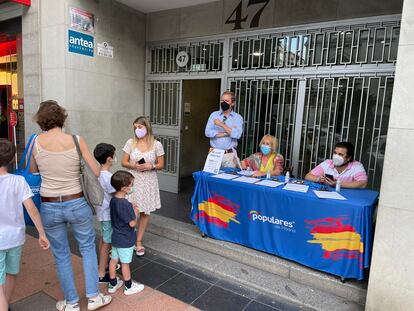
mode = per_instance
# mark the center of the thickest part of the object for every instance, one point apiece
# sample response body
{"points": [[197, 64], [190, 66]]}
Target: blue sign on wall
{"points": [[80, 43]]}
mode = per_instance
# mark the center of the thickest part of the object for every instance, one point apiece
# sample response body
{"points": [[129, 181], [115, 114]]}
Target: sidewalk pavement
{"points": [[37, 287]]}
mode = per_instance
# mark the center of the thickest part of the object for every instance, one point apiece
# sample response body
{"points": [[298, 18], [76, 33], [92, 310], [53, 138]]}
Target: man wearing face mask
{"points": [[341, 167], [224, 127]]}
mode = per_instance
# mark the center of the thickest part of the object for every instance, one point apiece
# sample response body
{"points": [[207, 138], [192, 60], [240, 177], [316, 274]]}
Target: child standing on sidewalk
{"points": [[124, 220], [14, 192], [105, 155]]}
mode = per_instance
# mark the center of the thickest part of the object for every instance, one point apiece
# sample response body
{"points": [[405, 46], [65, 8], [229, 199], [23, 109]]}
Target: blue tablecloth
{"points": [[328, 235]]}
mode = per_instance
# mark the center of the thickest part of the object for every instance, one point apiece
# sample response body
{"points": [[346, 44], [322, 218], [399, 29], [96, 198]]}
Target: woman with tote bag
{"points": [[56, 158]]}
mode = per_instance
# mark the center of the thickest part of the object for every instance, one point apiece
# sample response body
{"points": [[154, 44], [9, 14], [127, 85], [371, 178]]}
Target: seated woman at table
{"points": [[341, 167], [265, 160]]}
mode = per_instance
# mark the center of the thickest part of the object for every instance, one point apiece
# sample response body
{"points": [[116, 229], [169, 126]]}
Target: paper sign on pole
{"points": [[213, 162]]}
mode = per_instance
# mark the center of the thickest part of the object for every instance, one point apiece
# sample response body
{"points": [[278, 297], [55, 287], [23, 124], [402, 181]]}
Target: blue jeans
{"points": [[78, 214]]}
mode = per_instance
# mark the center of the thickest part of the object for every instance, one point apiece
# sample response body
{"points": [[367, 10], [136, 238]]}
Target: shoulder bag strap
{"points": [[26, 150], [75, 139]]}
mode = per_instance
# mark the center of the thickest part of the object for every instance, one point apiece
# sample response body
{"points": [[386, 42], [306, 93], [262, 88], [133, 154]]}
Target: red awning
{"points": [[24, 2], [7, 48]]}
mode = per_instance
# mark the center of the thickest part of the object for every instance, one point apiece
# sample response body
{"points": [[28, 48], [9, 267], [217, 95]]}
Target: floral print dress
{"points": [[146, 193]]}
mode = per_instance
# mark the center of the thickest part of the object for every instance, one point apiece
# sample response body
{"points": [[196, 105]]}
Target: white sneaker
{"points": [[63, 306], [113, 289], [135, 288], [99, 301]]}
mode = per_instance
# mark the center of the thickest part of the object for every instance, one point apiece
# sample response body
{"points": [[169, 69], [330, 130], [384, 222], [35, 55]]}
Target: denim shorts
{"points": [[9, 262], [106, 231], [123, 254]]}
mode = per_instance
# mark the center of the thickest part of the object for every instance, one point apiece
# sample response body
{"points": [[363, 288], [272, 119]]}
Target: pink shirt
{"points": [[353, 172]]}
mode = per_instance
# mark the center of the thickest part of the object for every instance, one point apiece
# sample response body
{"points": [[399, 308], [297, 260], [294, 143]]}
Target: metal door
{"points": [[164, 106]]}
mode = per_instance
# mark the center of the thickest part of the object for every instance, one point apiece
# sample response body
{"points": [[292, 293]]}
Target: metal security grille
{"points": [[170, 144], [342, 45], [268, 106], [165, 115], [203, 57], [352, 109], [165, 96]]}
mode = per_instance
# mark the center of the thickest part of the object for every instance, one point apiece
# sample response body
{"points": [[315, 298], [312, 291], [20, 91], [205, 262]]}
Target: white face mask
{"points": [[338, 160]]}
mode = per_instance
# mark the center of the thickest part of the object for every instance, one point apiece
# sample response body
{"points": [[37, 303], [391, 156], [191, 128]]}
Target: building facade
{"points": [[312, 73]]}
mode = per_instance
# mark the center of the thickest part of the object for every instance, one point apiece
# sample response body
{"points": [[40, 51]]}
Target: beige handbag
{"points": [[92, 190]]}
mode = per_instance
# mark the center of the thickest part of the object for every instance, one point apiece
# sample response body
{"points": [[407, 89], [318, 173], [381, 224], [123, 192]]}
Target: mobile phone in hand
{"points": [[142, 161], [329, 176]]}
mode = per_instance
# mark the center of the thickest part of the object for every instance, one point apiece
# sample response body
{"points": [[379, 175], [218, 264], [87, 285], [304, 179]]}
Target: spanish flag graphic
{"points": [[219, 211], [338, 240]]}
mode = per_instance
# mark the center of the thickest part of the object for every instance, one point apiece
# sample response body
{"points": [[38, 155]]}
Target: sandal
{"points": [[140, 251]]}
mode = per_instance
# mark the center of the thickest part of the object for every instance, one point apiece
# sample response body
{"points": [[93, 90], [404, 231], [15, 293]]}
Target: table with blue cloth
{"points": [[333, 236]]}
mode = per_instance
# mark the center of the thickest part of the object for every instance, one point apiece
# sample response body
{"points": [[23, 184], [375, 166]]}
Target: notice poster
{"points": [[213, 162], [81, 20]]}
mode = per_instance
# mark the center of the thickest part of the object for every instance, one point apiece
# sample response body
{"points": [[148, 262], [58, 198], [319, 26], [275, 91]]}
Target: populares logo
{"points": [[338, 240], [219, 211], [284, 224]]}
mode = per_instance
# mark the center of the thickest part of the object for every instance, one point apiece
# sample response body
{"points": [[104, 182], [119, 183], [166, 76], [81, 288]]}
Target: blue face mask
{"points": [[265, 149]]}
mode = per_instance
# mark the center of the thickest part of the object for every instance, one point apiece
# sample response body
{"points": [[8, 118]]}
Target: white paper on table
{"points": [[249, 180], [245, 173], [295, 187], [269, 183], [329, 195], [225, 176]]}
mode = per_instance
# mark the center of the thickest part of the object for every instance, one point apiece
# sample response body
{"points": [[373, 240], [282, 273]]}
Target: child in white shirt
{"points": [[14, 192], [105, 155]]}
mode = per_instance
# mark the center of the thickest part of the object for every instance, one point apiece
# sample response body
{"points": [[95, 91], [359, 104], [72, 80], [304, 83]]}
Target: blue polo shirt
{"points": [[122, 212]]}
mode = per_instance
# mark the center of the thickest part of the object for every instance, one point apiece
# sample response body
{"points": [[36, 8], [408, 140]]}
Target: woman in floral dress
{"points": [[143, 156]]}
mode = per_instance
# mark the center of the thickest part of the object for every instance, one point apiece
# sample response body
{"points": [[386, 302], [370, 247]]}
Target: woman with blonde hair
{"points": [[267, 160], [143, 156]]}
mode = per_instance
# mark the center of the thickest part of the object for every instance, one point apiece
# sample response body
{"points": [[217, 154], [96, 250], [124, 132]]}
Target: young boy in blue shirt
{"points": [[14, 191], [124, 220], [105, 155]]}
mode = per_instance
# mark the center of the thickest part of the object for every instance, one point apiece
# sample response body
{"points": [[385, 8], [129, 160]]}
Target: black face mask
{"points": [[224, 106]]}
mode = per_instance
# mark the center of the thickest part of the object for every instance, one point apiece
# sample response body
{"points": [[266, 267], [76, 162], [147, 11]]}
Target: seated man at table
{"points": [[341, 167], [267, 159]]}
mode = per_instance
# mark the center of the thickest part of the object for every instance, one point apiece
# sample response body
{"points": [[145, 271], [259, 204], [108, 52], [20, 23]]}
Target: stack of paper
{"points": [[249, 180], [225, 176], [295, 187], [329, 195], [269, 183]]}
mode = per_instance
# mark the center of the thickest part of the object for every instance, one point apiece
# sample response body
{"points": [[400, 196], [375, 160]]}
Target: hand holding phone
{"points": [[329, 176], [141, 161]]}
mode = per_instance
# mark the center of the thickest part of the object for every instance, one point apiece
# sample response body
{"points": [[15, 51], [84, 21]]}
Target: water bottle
{"points": [[268, 175], [338, 186], [287, 177]]}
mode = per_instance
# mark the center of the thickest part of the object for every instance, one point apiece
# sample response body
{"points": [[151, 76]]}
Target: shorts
{"points": [[106, 231], [10, 262], [123, 254]]}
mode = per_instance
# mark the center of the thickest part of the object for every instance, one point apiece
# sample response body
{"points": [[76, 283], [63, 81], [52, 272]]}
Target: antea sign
{"points": [[80, 43]]}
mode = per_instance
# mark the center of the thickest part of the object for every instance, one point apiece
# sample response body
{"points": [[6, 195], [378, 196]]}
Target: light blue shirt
{"points": [[234, 121]]}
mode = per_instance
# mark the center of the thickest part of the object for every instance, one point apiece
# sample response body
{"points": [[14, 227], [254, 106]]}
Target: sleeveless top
{"points": [[60, 171]]}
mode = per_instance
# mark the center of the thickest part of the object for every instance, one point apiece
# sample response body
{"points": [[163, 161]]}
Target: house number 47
{"points": [[236, 16]]}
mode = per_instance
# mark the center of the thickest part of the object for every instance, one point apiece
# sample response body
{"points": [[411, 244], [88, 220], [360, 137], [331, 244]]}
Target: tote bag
{"points": [[92, 190], [33, 179]]}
